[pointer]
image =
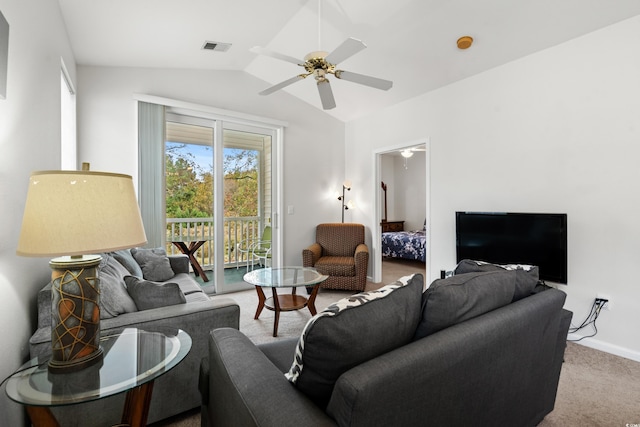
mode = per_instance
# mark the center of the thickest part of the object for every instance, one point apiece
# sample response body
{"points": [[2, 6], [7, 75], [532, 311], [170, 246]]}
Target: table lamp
{"points": [[75, 215]]}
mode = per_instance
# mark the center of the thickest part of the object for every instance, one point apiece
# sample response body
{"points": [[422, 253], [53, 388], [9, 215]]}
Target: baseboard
{"points": [[606, 347]]}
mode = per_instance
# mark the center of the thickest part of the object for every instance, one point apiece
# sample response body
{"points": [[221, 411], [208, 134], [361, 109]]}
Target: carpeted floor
{"points": [[596, 388]]}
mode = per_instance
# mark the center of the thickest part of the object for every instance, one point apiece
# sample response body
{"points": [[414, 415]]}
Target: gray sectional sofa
{"points": [[150, 291], [481, 348]]}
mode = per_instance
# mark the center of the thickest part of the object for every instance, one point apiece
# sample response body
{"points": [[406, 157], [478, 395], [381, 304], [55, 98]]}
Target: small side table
{"points": [[132, 360], [285, 277]]}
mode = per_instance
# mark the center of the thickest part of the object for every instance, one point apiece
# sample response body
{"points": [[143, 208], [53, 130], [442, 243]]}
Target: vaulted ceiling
{"points": [[411, 42]]}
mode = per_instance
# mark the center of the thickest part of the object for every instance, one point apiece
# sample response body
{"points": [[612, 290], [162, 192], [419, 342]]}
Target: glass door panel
{"points": [[247, 187], [189, 176]]}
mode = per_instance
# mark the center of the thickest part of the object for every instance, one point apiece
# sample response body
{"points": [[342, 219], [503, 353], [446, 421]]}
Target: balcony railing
{"points": [[236, 230]]}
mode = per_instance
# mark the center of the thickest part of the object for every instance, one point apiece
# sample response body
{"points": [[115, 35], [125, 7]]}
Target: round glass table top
{"points": [[284, 277], [131, 358]]}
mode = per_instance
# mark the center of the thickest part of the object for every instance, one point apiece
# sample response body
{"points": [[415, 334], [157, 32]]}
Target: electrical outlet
{"points": [[607, 305]]}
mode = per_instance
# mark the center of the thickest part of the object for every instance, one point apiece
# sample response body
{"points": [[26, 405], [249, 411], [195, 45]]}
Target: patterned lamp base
{"points": [[75, 313]]}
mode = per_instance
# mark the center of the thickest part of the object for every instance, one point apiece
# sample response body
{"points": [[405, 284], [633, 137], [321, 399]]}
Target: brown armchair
{"points": [[340, 253]]}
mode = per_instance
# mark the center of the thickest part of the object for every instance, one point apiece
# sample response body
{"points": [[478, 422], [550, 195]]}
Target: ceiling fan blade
{"points": [[276, 55], [364, 80], [326, 95], [348, 48], [280, 85]]}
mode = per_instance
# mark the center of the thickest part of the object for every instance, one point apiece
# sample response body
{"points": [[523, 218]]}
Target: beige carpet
{"points": [[596, 388]]}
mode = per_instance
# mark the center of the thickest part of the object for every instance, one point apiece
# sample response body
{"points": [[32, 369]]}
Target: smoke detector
{"points": [[216, 46], [465, 42]]}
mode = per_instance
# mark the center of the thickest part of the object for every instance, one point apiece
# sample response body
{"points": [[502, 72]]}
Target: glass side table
{"points": [[285, 277], [132, 360]]}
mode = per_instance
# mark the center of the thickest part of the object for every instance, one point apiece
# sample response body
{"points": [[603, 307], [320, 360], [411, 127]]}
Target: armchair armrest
{"points": [[362, 256], [240, 386], [311, 255]]}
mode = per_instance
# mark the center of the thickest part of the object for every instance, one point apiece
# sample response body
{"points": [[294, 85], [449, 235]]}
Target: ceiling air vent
{"points": [[216, 46]]}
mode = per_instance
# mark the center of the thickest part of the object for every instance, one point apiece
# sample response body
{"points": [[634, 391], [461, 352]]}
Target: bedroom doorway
{"points": [[402, 200]]}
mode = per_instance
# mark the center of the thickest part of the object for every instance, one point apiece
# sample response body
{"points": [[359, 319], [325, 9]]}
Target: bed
{"points": [[405, 244]]}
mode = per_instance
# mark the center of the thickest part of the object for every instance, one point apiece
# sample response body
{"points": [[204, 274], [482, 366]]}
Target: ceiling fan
{"points": [[321, 64]]}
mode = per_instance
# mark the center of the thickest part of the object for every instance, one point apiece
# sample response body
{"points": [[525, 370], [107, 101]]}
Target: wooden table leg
{"points": [[41, 416], [261, 300], [190, 251], [311, 302], [136, 405], [193, 247], [276, 309]]}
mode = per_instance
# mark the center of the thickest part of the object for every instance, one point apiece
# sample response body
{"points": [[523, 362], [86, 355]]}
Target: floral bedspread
{"points": [[405, 244]]}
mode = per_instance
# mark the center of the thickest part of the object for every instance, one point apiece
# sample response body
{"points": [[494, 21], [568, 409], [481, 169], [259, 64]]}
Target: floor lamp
{"points": [[346, 186], [74, 216]]}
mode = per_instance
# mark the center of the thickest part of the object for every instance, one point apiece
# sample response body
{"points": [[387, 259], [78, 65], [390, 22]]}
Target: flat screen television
{"points": [[515, 238]]}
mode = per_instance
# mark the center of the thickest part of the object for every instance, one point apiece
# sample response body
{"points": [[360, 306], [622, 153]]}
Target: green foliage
{"points": [[189, 187], [241, 183]]}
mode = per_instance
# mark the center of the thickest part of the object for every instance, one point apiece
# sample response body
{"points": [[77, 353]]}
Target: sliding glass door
{"points": [[218, 198]]}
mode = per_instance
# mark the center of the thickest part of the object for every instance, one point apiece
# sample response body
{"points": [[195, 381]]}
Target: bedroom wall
{"points": [[406, 192], [29, 140], [313, 141], [411, 189], [556, 131]]}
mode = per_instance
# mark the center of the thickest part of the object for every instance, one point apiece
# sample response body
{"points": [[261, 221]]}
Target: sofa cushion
{"points": [[191, 290], [337, 266], [526, 275], [352, 331], [154, 263], [114, 299], [148, 294], [125, 258], [462, 297]]}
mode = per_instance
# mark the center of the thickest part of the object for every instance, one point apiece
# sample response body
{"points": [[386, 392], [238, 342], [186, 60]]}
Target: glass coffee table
{"points": [[285, 277], [132, 360]]}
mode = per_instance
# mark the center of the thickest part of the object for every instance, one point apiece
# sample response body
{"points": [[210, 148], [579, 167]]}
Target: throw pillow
{"points": [[154, 263], [148, 294], [464, 296], [352, 331], [526, 275], [114, 299], [125, 258]]}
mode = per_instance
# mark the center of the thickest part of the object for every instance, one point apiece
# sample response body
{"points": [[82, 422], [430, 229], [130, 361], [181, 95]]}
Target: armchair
{"points": [[340, 253]]}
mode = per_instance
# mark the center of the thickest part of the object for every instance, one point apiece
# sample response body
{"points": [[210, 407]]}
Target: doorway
{"points": [[219, 195], [402, 182]]}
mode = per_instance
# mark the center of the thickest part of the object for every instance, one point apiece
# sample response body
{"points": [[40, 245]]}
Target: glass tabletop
{"points": [[131, 358], [284, 277]]}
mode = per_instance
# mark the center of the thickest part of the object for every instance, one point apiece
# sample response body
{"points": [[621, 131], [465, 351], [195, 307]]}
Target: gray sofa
{"points": [[191, 310], [474, 349]]}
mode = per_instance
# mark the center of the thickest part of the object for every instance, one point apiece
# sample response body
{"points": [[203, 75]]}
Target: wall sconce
{"points": [[346, 186]]}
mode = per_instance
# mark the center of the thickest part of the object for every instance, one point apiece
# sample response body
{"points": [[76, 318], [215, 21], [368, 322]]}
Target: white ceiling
{"points": [[411, 42]]}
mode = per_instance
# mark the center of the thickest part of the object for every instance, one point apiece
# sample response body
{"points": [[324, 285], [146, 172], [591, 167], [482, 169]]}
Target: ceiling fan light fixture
{"points": [[320, 64], [406, 153]]}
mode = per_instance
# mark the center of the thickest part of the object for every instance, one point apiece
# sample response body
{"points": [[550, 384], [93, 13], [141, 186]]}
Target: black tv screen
{"points": [[515, 238]]}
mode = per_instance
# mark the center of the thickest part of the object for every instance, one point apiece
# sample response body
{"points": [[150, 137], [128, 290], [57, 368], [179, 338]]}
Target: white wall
{"points": [[29, 140], [313, 141], [557, 131]]}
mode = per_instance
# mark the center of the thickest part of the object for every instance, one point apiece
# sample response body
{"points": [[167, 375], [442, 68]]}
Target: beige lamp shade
{"points": [[79, 212]]}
